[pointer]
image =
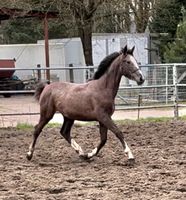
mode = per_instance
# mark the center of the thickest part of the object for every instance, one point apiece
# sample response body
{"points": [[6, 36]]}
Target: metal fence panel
{"points": [[165, 84]]}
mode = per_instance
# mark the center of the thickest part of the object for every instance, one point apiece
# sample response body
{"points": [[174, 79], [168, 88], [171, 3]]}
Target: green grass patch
{"points": [[182, 117], [24, 126], [53, 125], [157, 119], [144, 120]]}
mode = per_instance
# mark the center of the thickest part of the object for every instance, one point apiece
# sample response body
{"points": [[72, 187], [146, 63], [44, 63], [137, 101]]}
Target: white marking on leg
{"points": [[76, 147], [128, 151], [29, 156], [30, 151], [93, 153]]}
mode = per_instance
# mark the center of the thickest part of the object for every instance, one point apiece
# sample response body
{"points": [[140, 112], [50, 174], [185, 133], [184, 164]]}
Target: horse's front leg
{"points": [[103, 139], [108, 122]]}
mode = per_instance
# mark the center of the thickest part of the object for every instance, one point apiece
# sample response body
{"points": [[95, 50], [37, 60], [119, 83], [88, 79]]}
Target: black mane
{"points": [[104, 65]]}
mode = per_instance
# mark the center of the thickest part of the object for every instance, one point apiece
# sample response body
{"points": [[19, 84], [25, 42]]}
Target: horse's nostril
{"points": [[141, 80]]}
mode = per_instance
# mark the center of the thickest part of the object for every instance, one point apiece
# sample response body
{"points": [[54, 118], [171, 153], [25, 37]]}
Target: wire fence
{"points": [[165, 85]]}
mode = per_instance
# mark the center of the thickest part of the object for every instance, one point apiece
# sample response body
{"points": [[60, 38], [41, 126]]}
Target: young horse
{"points": [[91, 101]]}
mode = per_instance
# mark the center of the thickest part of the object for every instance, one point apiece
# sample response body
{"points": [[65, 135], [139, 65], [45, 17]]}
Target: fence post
{"points": [[175, 82], [71, 73], [166, 82], [139, 104], [38, 72]]}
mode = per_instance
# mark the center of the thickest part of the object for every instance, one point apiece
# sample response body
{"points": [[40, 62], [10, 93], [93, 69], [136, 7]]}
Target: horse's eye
{"points": [[128, 62]]}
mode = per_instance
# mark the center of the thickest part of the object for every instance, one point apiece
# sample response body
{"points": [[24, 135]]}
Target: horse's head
{"points": [[129, 66]]}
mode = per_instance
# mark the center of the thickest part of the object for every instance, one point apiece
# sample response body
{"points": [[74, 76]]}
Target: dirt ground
{"points": [[57, 173]]}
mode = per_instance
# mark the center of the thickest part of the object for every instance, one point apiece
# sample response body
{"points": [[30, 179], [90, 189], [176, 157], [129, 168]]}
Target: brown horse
{"points": [[91, 101]]}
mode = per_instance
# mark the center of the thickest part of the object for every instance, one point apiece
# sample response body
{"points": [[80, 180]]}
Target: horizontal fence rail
{"points": [[165, 85]]}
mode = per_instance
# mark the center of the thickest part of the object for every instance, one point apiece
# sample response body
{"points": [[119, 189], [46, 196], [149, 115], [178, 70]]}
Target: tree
{"points": [[175, 51], [29, 30], [120, 16], [142, 10], [113, 17], [164, 22], [75, 13], [18, 31], [80, 18], [83, 12]]}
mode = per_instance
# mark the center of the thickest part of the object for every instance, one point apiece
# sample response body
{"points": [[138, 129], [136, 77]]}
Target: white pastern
{"points": [[128, 151], [31, 150], [29, 153], [93, 153], [76, 147]]}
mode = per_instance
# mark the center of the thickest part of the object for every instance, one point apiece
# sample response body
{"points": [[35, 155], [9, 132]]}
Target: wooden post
{"points": [[139, 104], [166, 82], [175, 82], [46, 48], [39, 72], [71, 73]]}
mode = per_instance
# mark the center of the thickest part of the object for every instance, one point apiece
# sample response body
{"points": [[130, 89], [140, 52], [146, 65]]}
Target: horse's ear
{"points": [[124, 50], [132, 50]]}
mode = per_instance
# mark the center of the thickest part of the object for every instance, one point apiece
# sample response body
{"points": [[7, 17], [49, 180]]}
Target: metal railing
{"points": [[165, 85]]}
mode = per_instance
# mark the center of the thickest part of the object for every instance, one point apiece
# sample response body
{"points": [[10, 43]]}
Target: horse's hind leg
{"points": [[103, 139], [65, 132], [44, 119]]}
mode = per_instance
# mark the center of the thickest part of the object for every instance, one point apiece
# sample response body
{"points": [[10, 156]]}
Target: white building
{"points": [[69, 51]]}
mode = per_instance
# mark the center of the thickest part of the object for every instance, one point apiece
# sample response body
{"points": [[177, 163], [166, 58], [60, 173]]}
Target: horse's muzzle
{"points": [[141, 81]]}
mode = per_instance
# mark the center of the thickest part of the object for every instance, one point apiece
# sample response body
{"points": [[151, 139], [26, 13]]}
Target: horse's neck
{"points": [[111, 79]]}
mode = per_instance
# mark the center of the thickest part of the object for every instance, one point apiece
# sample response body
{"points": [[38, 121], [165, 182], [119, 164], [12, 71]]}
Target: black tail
{"points": [[39, 89]]}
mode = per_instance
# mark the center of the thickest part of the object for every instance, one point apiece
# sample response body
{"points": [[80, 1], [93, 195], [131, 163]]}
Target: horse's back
{"points": [[60, 90]]}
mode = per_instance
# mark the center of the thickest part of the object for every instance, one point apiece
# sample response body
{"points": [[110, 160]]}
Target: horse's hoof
{"points": [[29, 156], [131, 161], [84, 156]]}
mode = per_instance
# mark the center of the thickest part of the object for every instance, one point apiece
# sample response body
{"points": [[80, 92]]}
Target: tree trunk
{"points": [[85, 33], [83, 12]]}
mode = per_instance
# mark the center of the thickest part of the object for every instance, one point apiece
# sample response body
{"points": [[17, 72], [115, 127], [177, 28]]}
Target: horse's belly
{"points": [[84, 107], [80, 116], [77, 112]]}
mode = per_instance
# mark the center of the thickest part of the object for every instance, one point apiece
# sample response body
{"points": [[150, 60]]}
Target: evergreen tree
{"points": [[164, 22], [175, 51]]}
